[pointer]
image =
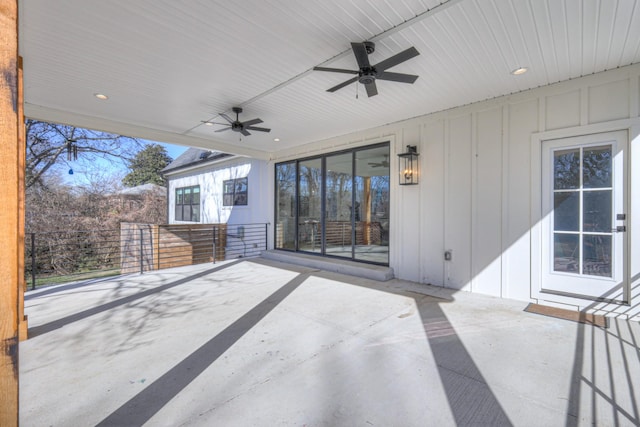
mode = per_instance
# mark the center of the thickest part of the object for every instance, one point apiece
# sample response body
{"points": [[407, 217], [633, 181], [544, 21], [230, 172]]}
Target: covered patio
{"points": [[259, 342], [503, 89]]}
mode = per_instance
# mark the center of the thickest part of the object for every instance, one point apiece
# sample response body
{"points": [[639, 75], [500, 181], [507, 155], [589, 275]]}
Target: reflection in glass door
{"points": [[372, 205], [310, 205], [339, 203], [286, 202]]}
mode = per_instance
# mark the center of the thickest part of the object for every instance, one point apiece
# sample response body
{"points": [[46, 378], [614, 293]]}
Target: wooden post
{"points": [[10, 222], [155, 238], [366, 211]]}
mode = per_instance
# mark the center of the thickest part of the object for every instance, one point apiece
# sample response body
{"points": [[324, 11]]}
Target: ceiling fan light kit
{"points": [[367, 74]]}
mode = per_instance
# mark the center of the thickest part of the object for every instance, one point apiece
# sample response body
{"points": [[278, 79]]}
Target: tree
{"points": [[145, 167], [51, 146]]}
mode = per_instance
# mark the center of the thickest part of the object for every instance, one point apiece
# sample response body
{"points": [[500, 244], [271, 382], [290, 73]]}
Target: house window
{"points": [[188, 204], [235, 192]]}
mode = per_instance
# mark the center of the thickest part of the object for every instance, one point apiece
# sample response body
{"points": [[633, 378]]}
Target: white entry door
{"points": [[584, 215]]}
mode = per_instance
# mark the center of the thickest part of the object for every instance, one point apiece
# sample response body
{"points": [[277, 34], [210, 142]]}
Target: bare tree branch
{"points": [[46, 142]]}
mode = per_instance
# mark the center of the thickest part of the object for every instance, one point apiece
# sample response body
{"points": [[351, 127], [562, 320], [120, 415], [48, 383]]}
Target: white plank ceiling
{"points": [[167, 66]]}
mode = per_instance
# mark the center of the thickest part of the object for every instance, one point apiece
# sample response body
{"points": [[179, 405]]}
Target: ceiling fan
{"points": [[367, 73], [238, 126], [383, 164]]}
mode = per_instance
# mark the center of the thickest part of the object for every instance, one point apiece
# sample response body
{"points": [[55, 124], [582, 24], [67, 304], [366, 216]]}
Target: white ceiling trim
{"points": [[37, 112]]}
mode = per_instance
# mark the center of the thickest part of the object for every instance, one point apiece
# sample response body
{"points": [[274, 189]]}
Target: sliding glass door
{"points": [[336, 205], [310, 205], [372, 198], [286, 205]]}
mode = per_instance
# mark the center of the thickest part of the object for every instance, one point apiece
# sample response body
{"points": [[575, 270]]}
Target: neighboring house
{"points": [[132, 198], [211, 187]]}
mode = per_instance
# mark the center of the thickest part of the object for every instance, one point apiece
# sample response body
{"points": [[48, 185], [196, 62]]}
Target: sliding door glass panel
{"points": [[338, 208], [371, 206], [310, 205], [286, 206]]}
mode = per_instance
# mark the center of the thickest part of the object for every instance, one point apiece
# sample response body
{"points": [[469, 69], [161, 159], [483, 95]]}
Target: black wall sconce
{"points": [[408, 166]]}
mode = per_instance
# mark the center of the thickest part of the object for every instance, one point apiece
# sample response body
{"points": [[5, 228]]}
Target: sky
{"points": [[84, 173]]}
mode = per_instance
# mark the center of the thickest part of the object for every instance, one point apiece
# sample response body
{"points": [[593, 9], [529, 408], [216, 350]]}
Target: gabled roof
{"points": [[193, 157], [139, 190]]}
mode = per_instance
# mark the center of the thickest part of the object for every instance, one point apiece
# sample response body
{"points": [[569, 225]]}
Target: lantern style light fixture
{"points": [[408, 166]]}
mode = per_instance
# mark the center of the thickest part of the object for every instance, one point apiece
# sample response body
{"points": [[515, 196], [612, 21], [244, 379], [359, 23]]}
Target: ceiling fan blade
{"points": [[360, 51], [397, 59], [223, 129], [227, 118], [251, 122], [372, 89], [258, 129], [244, 132], [335, 70], [396, 77], [343, 84], [207, 122]]}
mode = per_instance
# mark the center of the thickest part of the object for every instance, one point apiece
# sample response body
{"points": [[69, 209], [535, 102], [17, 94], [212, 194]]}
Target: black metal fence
{"points": [[60, 257]]}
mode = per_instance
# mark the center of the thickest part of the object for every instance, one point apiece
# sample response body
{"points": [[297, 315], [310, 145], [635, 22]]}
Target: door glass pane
{"points": [[566, 211], [286, 206], [566, 168], [371, 207], [596, 167], [596, 255], [339, 190], [565, 253], [310, 205], [597, 211]]}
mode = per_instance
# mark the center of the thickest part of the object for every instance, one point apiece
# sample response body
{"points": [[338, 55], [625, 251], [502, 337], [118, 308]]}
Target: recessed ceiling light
{"points": [[519, 71], [101, 96], [276, 139], [208, 124]]}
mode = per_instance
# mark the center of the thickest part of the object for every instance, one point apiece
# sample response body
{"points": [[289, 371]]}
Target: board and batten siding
{"points": [[210, 178], [476, 195]]}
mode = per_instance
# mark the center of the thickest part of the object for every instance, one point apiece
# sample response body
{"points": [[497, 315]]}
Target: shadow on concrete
{"points": [[471, 401], [588, 377], [59, 323], [54, 289], [149, 401]]}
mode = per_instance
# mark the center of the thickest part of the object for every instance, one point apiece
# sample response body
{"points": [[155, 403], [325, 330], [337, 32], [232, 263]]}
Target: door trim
{"points": [[621, 296]]}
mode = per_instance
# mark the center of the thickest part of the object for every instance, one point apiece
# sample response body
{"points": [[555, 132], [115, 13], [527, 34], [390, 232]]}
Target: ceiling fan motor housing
{"points": [[367, 75]]}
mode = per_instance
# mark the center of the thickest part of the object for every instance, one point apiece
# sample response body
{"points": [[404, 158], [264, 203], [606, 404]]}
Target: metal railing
{"points": [[60, 257], [71, 255]]}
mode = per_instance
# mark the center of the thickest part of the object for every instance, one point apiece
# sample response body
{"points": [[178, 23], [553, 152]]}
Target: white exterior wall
{"points": [[210, 178], [479, 188]]}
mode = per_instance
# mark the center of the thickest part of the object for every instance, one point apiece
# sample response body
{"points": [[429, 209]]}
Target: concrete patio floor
{"points": [[261, 343]]}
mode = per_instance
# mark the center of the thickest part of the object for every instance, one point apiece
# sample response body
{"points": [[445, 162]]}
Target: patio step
{"points": [[342, 266]]}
